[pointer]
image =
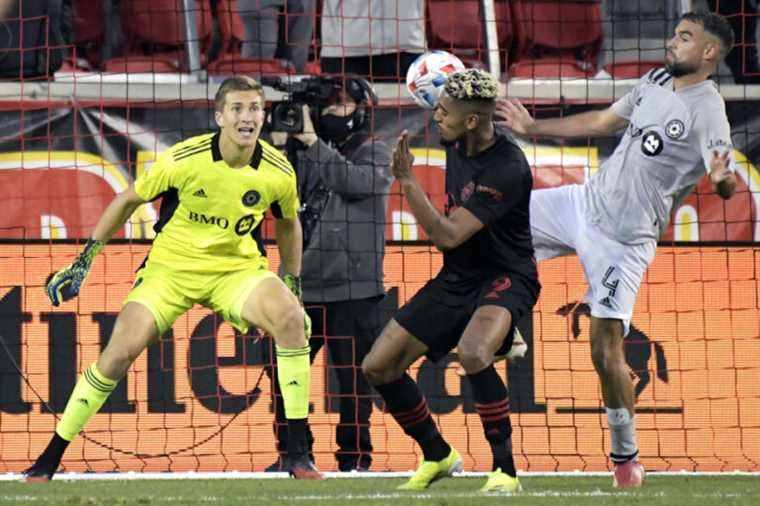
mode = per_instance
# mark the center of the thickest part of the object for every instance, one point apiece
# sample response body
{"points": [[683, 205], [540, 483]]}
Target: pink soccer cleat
{"points": [[628, 474]]}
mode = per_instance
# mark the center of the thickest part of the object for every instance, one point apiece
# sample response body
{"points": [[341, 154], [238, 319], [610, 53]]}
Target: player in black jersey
{"points": [[488, 281]]}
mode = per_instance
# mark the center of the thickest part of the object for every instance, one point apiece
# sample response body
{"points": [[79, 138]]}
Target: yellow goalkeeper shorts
{"points": [[169, 293]]}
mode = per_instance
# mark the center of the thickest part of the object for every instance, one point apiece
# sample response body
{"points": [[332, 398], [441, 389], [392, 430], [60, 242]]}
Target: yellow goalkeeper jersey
{"points": [[211, 214]]}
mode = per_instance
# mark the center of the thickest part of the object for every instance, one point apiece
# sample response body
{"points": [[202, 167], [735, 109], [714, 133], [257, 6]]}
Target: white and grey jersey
{"points": [[665, 150]]}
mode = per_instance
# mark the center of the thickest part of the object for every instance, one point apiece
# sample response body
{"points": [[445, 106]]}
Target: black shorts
{"points": [[438, 314]]}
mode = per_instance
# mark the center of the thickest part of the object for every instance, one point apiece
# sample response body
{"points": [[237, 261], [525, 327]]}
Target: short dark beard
{"points": [[677, 69]]}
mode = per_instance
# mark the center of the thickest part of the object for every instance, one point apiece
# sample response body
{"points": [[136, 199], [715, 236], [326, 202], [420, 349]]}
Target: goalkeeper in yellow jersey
{"points": [[215, 189]]}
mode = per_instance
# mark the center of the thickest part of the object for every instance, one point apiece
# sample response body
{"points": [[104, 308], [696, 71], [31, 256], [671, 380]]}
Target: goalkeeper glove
{"points": [[294, 285], [64, 285], [306, 325]]}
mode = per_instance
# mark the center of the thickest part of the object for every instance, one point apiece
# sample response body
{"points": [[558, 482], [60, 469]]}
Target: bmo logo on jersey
{"points": [[651, 143], [219, 221]]}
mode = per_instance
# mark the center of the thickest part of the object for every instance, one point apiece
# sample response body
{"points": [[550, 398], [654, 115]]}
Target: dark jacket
{"points": [[348, 189]]}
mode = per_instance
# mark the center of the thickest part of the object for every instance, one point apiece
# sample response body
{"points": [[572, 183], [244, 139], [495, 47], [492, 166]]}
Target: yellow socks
{"points": [[92, 390], [294, 375], [88, 396]]}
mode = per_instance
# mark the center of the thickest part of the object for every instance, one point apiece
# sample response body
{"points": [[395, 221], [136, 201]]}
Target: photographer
{"points": [[343, 182]]}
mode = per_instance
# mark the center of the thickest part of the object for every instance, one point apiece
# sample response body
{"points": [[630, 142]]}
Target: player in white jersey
{"points": [[675, 127]]}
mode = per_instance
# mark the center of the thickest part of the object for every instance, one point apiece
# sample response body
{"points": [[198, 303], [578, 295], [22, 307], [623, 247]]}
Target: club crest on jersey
{"points": [[251, 198], [651, 143], [467, 192], [674, 128], [244, 224]]}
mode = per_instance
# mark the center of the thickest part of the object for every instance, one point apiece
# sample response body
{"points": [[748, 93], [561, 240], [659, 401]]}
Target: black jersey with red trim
{"points": [[495, 186]]}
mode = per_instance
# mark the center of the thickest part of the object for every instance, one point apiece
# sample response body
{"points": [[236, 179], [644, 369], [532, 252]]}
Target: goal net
{"points": [[96, 94]]}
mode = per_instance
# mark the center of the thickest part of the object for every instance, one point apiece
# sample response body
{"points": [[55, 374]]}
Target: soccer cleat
{"points": [[430, 471], [628, 474], [276, 467], [301, 468], [41, 471], [518, 350], [47, 463], [501, 482]]}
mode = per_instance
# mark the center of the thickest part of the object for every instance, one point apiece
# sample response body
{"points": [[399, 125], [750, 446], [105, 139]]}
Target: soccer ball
{"points": [[427, 75]]}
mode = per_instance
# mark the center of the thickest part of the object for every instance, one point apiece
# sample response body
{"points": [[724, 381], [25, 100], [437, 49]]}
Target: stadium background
{"points": [[197, 401]]}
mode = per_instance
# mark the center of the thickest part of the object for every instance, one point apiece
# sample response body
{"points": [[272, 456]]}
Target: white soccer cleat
{"points": [[518, 350]]}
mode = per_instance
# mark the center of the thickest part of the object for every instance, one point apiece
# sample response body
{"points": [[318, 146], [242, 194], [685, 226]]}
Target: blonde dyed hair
{"points": [[472, 84]]}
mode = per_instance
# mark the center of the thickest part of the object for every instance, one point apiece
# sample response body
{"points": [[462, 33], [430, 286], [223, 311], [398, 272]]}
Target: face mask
{"points": [[334, 128]]}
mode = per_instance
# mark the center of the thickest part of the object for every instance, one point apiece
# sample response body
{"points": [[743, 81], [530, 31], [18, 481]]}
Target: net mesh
{"points": [[200, 399]]}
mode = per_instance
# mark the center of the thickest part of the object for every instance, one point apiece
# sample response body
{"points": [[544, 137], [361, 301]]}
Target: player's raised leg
{"points": [[134, 330], [385, 368], [272, 307], [608, 356], [483, 336]]}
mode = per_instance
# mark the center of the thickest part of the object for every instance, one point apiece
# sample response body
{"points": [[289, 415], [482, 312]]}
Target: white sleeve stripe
{"points": [[655, 74], [660, 76]]}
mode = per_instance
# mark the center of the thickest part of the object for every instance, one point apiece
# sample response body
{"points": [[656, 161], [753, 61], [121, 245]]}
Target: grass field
{"points": [[594, 490]]}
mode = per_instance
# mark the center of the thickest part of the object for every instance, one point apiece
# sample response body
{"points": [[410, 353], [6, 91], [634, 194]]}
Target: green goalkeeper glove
{"points": [[65, 284], [294, 285]]}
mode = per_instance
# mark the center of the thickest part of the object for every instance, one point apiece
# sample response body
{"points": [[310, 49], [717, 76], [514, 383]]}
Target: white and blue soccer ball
{"points": [[427, 75]]}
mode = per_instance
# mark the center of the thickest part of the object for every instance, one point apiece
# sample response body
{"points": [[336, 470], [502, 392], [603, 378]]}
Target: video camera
{"points": [[287, 115]]}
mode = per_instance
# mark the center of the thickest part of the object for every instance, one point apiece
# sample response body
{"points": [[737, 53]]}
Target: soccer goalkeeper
{"points": [[215, 189]]}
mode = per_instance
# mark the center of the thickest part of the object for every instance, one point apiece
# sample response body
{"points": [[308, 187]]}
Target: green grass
{"points": [[595, 491]]}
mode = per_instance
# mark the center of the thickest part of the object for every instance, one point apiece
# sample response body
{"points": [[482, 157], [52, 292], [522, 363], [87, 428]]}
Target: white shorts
{"points": [[613, 270]]}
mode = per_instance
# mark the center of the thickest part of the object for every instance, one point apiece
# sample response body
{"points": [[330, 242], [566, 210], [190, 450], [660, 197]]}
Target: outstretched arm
{"points": [[722, 177], [511, 114], [116, 214], [66, 283], [713, 132]]}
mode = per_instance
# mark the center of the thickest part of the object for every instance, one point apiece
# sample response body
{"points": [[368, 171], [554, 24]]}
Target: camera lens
{"points": [[288, 116]]}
